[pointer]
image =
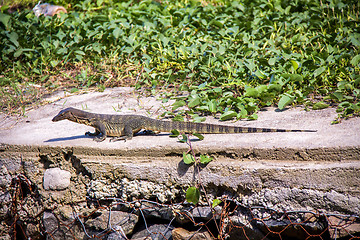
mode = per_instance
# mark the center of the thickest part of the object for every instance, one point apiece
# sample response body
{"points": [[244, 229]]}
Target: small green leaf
{"points": [[216, 202], [320, 105], [184, 138], [284, 101], [199, 136], [74, 90], [212, 105], [204, 159], [54, 63], [174, 133], [228, 115], [253, 116], [178, 118], [193, 195], [188, 158], [294, 64]]}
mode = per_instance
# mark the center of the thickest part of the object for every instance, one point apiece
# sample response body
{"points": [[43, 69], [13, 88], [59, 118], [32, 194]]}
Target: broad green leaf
{"points": [[117, 32], [253, 116], [337, 95], [216, 23], [216, 202], [194, 102], [13, 37], [204, 159], [193, 195], [177, 104], [284, 101], [272, 61], [18, 52], [4, 19], [228, 115], [197, 118], [345, 104], [355, 60], [79, 52], [250, 64], [188, 158], [320, 105], [242, 112], [319, 71], [251, 92]]}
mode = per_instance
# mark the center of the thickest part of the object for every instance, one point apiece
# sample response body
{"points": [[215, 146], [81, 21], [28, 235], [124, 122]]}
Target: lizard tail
{"points": [[191, 127]]}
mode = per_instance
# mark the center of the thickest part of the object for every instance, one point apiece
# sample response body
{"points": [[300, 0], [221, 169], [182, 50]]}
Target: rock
{"points": [[57, 229], [290, 199], [5, 177], [183, 234], [119, 234], [153, 210], [119, 221], [340, 227], [154, 232], [56, 179], [291, 230], [50, 222], [206, 213], [239, 227], [5, 204]]}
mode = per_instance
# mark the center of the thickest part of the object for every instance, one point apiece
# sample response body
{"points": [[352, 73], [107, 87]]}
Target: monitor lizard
{"points": [[123, 127]]}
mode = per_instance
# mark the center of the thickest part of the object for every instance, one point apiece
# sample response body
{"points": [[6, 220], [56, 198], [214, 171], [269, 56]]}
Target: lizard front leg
{"points": [[100, 133]]}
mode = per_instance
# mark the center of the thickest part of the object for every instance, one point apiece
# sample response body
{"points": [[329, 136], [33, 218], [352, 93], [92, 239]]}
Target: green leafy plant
{"points": [[227, 59]]}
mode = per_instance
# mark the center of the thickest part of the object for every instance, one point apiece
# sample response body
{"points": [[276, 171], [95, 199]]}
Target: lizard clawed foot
{"points": [[115, 139], [99, 139], [91, 134]]}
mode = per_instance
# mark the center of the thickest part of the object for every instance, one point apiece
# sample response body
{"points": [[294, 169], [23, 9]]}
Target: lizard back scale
{"points": [[123, 127]]}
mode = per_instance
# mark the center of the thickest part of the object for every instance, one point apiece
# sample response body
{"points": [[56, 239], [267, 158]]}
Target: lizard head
{"points": [[67, 113]]}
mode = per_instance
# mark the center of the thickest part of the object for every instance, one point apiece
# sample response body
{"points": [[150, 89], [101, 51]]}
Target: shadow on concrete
{"points": [[67, 138], [183, 168]]}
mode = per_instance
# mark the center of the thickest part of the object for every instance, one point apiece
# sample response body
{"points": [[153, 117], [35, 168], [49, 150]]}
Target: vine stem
{"points": [[200, 184]]}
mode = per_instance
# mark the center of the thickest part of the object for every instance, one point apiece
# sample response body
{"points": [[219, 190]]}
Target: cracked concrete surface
{"points": [[38, 129]]}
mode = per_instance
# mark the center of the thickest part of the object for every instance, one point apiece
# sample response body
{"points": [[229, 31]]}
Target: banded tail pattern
{"points": [[191, 127]]}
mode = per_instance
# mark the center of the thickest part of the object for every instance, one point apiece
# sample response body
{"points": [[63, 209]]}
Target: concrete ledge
{"points": [[283, 171]]}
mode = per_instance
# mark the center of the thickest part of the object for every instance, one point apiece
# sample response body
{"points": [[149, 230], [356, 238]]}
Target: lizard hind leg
{"points": [[128, 135], [97, 132]]}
